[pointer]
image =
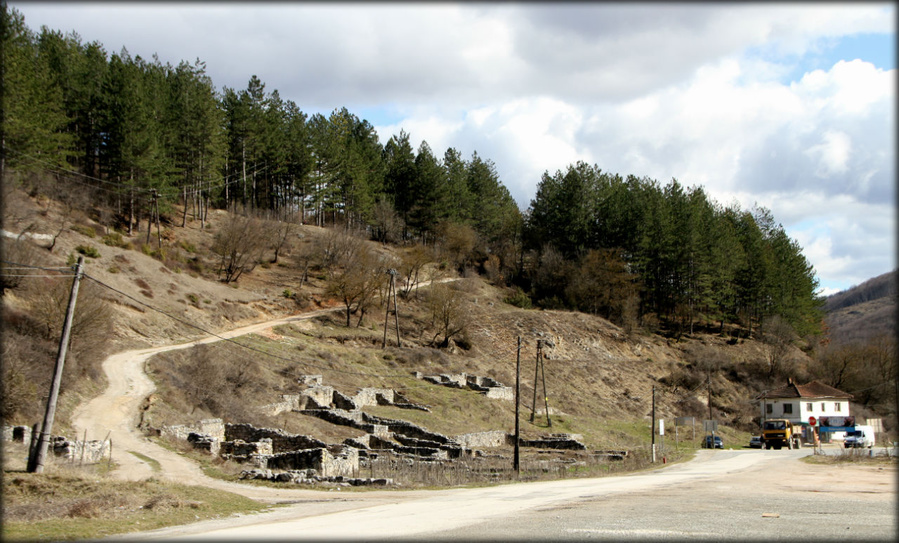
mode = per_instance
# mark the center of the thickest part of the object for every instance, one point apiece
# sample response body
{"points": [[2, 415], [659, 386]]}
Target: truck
{"points": [[779, 433], [859, 436]]}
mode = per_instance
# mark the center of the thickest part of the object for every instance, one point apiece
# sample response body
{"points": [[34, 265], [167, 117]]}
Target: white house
{"points": [[799, 403]]}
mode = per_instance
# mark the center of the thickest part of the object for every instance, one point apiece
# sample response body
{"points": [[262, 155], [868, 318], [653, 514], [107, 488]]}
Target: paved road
{"points": [[719, 495]]}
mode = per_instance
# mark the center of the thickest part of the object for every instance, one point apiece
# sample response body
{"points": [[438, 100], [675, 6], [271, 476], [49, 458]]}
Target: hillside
{"points": [[598, 378], [864, 311]]}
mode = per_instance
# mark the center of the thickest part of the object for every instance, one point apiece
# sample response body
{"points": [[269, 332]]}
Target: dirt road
{"points": [[116, 412], [568, 509], [719, 495]]}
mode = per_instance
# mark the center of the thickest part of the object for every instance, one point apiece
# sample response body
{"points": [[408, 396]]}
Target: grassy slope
{"points": [[598, 379]]}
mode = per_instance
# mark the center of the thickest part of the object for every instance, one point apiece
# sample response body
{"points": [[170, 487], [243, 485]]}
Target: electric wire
{"points": [[249, 347], [118, 188]]}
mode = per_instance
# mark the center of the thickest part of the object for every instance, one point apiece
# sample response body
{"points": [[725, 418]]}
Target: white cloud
{"points": [[690, 91], [832, 154]]}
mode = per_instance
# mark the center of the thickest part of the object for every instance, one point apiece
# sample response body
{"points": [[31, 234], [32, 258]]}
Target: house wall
{"points": [[800, 411]]}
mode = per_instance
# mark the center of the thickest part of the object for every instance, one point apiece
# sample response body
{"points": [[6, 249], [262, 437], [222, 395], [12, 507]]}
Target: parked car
{"points": [[755, 442], [707, 443], [860, 436]]}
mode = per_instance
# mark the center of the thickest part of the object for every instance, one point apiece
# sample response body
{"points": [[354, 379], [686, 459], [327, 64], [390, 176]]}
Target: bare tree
{"points": [[448, 317], [457, 242], [411, 264], [239, 243], [777, 338], [355, 271], [388, 226]]}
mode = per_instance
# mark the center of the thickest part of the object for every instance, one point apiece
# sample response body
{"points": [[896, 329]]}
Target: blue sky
{"points": [[786, 106]]}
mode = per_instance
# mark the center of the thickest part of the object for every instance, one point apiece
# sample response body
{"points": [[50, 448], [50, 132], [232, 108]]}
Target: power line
{"points": [[118, 187], [18, 265], [55, 276], [248, 347]]}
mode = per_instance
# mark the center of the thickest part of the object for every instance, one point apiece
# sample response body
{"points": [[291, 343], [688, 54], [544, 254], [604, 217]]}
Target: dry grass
{"points": [[68, 503]]}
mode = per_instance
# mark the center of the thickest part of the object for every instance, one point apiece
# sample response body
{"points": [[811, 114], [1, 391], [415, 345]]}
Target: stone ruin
{"points": [[571, 442], [318, 396], [90, 451], [279, 456], [484, 385]]}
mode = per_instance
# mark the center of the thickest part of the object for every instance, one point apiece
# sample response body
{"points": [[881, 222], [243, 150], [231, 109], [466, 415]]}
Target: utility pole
{"points": [[536, 375], [36, 462], [516, 458], [653, 428], [538, 370], [392, 290], [549, 422], [158, 229]]}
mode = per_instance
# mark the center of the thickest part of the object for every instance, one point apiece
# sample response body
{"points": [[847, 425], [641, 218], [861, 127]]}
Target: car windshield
{"points": [[855, 433], [775, 425]]}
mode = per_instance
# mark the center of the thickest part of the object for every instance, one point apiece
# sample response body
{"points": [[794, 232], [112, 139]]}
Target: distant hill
{"points": [[864, 311]]}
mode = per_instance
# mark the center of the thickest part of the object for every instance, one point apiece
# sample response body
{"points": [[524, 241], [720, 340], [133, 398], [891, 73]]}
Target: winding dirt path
{"points": [[115, 412]]}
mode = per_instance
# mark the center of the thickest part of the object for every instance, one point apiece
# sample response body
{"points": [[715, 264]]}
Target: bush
{"points": [[114, 239], [88, 251], [84, 230], [518, 298]]}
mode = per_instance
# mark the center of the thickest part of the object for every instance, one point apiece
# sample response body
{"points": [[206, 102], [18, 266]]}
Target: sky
{"points": [[790, 107]]}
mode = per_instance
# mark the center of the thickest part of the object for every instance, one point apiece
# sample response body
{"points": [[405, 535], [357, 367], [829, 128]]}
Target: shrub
{"points": [[88, 251], [114, 239], [518, 298], [84, 230]]}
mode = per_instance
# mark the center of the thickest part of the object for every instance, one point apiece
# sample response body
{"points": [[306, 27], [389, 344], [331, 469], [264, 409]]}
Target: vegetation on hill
{"points": [[139, 139]]}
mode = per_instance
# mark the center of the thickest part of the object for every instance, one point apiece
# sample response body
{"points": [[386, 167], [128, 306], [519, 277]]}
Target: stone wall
{"points": [[482, 440], [373, 396], [242, 450], [280, 440], [343, 463], [89, 451], [319, 397], [556, 441], [501, 393], [214, 428], [17, 434], [485, 385]]}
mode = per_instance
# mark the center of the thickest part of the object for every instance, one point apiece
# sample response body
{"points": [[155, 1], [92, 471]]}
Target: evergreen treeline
{"points": [[134, 127], [629, 248], [143, 133]]}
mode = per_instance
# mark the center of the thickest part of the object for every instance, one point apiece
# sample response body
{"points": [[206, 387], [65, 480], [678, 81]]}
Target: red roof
{"points": [[814, 389]]}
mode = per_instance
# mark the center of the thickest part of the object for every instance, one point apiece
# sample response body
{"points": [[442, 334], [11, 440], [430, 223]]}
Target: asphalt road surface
{"points": [[740, 494]]}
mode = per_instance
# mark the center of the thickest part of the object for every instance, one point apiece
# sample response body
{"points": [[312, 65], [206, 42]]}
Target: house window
{"points": [[836, 406], [811, 407], [788, 409], [769, 409], [822, 407]]}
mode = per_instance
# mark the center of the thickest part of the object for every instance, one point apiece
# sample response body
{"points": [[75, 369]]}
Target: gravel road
{"points": [[747, 494]]}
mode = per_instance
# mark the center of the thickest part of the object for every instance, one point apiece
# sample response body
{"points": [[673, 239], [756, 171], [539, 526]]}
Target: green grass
{"points": [[154, 464], [51, 507]]}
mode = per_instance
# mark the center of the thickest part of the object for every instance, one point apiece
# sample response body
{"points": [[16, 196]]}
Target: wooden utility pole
{"points": [[391, 290], [539, 370], [36, 463], [515, 457], [158, 229], [652, 429], [549, 422]]}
